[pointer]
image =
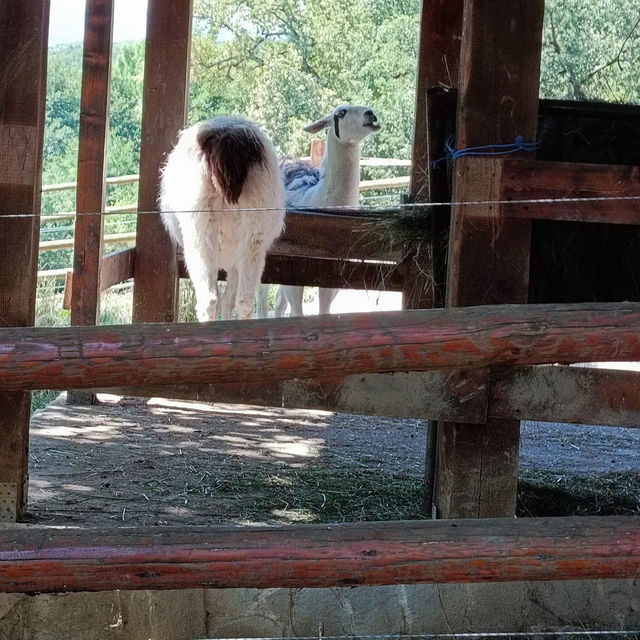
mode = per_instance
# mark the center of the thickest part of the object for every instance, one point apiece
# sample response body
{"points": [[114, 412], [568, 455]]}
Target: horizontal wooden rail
{"points": [[557, 190], [437, 551], [309, 235], [364, 162], [70, 215], [567, 394], [317, 347], [65, 186], [554, 393], [58, 274], [117, 267], [384, 183], [113, 238], [333, 236]]}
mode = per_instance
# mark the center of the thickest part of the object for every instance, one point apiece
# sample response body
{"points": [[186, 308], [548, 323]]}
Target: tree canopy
{"points": [[284, 63]]}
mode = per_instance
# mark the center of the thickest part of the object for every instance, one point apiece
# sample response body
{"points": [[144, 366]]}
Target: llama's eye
{"points": [[342, 113]]}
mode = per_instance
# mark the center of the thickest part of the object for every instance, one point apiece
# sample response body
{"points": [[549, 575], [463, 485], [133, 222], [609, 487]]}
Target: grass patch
{"points": [[337, 495], [41, 398], [542, 493], [314, 495]]}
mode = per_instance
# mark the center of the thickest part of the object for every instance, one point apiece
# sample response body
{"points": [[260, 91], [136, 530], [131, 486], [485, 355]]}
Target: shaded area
{"points": [[131, 461]]}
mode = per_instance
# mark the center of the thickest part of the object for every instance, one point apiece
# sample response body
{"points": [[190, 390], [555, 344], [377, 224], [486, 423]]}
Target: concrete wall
{"points": [[229, 613]]}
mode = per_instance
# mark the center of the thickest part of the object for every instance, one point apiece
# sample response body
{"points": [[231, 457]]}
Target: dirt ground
{"points": [[132, 461]]}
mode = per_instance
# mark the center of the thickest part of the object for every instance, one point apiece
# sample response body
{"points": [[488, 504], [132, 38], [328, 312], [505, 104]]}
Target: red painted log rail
{"points": [[317, 347], [49, 559]]}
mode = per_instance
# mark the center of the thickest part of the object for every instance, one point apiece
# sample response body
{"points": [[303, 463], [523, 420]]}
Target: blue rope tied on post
{"points": [[488, 149]]}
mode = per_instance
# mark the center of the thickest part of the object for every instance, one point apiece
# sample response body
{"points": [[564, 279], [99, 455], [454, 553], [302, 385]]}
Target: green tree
{"points": [[287, 62], [591, 50]]}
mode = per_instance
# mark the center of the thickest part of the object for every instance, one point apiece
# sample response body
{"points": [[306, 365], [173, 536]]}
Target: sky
{"points": [[66, 22]]}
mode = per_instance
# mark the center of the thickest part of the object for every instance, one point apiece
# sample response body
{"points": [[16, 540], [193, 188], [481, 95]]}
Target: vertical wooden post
{"points": [[166, 83], [92, 167], [317, 152], [24, 30], [477, 465], [438, 62]]}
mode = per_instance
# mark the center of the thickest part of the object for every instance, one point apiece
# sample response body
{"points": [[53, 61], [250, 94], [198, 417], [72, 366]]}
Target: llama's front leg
{"points": [[249, 276], [228, 298], [207, 296], [205, 282]]}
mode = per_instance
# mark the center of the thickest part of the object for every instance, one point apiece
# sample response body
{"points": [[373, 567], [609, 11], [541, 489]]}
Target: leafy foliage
{"points": [[591, 50], [285, 63]]}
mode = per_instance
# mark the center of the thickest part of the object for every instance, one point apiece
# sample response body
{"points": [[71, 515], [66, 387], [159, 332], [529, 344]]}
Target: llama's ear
{"points": [[318, 125]]}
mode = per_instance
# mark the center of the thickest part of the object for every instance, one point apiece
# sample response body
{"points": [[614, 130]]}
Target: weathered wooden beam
{"points": [[488, 253], [437, 77], [92, 165], [339, 274], [437, 394], [116, 267], [317, 347], [92, 171], [334, 236], [328, 555], [567, 394], [438, 63], [610, 193], [166, 73], [425, 262], [23, 61], [552, 393]]}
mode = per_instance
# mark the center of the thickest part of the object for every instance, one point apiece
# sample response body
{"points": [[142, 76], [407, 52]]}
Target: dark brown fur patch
{"points": [[230, 147]]}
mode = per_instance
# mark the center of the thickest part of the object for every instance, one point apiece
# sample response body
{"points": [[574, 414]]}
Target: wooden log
{"points": [[611, 193], [68, 288], [92, 172], [92, 166], [23, 61], [438, 61], [166, 73], [552, 393], [335, 235], [567, 394], [117, 267], [317, 152], [489, 254], [437, 394], [317, 347], [339, 274], [329, 555]]}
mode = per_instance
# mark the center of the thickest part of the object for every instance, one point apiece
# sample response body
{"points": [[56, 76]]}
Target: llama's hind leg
{"points": [[325, 298], [263, 301], [294, 296], [281, 304]]}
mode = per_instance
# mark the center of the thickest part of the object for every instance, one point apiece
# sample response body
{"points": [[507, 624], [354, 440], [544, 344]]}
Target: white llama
{"points": [[335, 184], [218, 169]]}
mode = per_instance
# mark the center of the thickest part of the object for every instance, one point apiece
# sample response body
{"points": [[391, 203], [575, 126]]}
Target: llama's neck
{"points": [[341, 173]]}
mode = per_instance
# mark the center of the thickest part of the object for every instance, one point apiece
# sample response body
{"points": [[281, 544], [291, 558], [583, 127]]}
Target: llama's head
{"points": [[349, 123]]}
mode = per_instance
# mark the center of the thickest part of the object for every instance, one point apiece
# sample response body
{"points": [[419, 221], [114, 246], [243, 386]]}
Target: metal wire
{"points": [[390, 211]]}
